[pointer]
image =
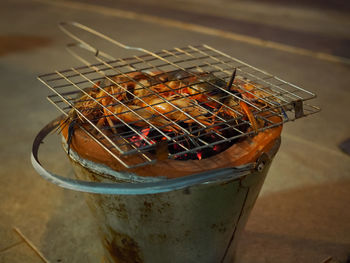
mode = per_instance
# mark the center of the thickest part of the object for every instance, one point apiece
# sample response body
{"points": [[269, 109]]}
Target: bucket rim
{"points": [[139, 188]]}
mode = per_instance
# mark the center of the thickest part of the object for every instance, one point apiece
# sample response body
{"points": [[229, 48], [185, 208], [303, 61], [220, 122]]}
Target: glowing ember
{"points": [[138, 140], [145, 133], [176, 149]]}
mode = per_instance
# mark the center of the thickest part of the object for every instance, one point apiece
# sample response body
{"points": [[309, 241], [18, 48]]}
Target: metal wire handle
{"points": [[83, 44], [132, 188], [62, 26]]}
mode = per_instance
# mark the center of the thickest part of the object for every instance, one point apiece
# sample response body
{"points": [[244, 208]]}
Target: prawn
{"points": [[234, 107], [250, 116], [190, 110], [134, 114], [258, 93], [204, 88], [157, 112]]}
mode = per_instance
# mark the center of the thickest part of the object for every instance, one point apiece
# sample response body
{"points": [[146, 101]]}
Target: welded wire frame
{"points": [[271, 96]]}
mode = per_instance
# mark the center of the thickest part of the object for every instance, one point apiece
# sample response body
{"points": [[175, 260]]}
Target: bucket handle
{"points": [[130, 188]]}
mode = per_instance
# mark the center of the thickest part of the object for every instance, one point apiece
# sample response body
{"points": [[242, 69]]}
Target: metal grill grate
{"points": [[144, 108]]}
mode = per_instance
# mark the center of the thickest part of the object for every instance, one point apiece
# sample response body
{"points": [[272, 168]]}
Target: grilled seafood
{"points": [[156, 111], [170, 100]]}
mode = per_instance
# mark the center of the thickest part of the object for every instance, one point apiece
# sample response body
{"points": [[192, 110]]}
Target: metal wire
{"points": [[264, 94]]}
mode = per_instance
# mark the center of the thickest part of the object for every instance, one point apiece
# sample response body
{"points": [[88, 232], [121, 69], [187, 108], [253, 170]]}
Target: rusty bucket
{"points": [[196, 218]]}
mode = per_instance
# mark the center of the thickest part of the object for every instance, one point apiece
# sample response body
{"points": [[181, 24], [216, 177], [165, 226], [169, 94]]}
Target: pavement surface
{"points": [[303, 212]]}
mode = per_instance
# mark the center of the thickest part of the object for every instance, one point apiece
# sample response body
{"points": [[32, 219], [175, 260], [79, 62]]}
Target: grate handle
{"points": [[131, 188], [89, 47]]}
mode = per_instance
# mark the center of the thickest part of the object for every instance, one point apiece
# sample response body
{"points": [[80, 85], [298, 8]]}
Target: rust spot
{"points": [[187, 233], [94, 178], [121, 211], [122, 248], [146, 210], [107, 204], [219, 227], [163, 206], [166, 204], [148, 205], [143, 215], [187, 191]]}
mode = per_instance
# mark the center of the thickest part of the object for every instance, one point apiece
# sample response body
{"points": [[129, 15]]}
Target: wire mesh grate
{"points": [[180, 100]]}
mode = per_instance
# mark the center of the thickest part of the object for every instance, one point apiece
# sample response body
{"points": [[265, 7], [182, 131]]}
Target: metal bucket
{"points": [[196, 218]]}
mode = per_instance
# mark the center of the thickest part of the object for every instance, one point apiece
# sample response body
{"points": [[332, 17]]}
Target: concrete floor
{"points": [[303, 212]]}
